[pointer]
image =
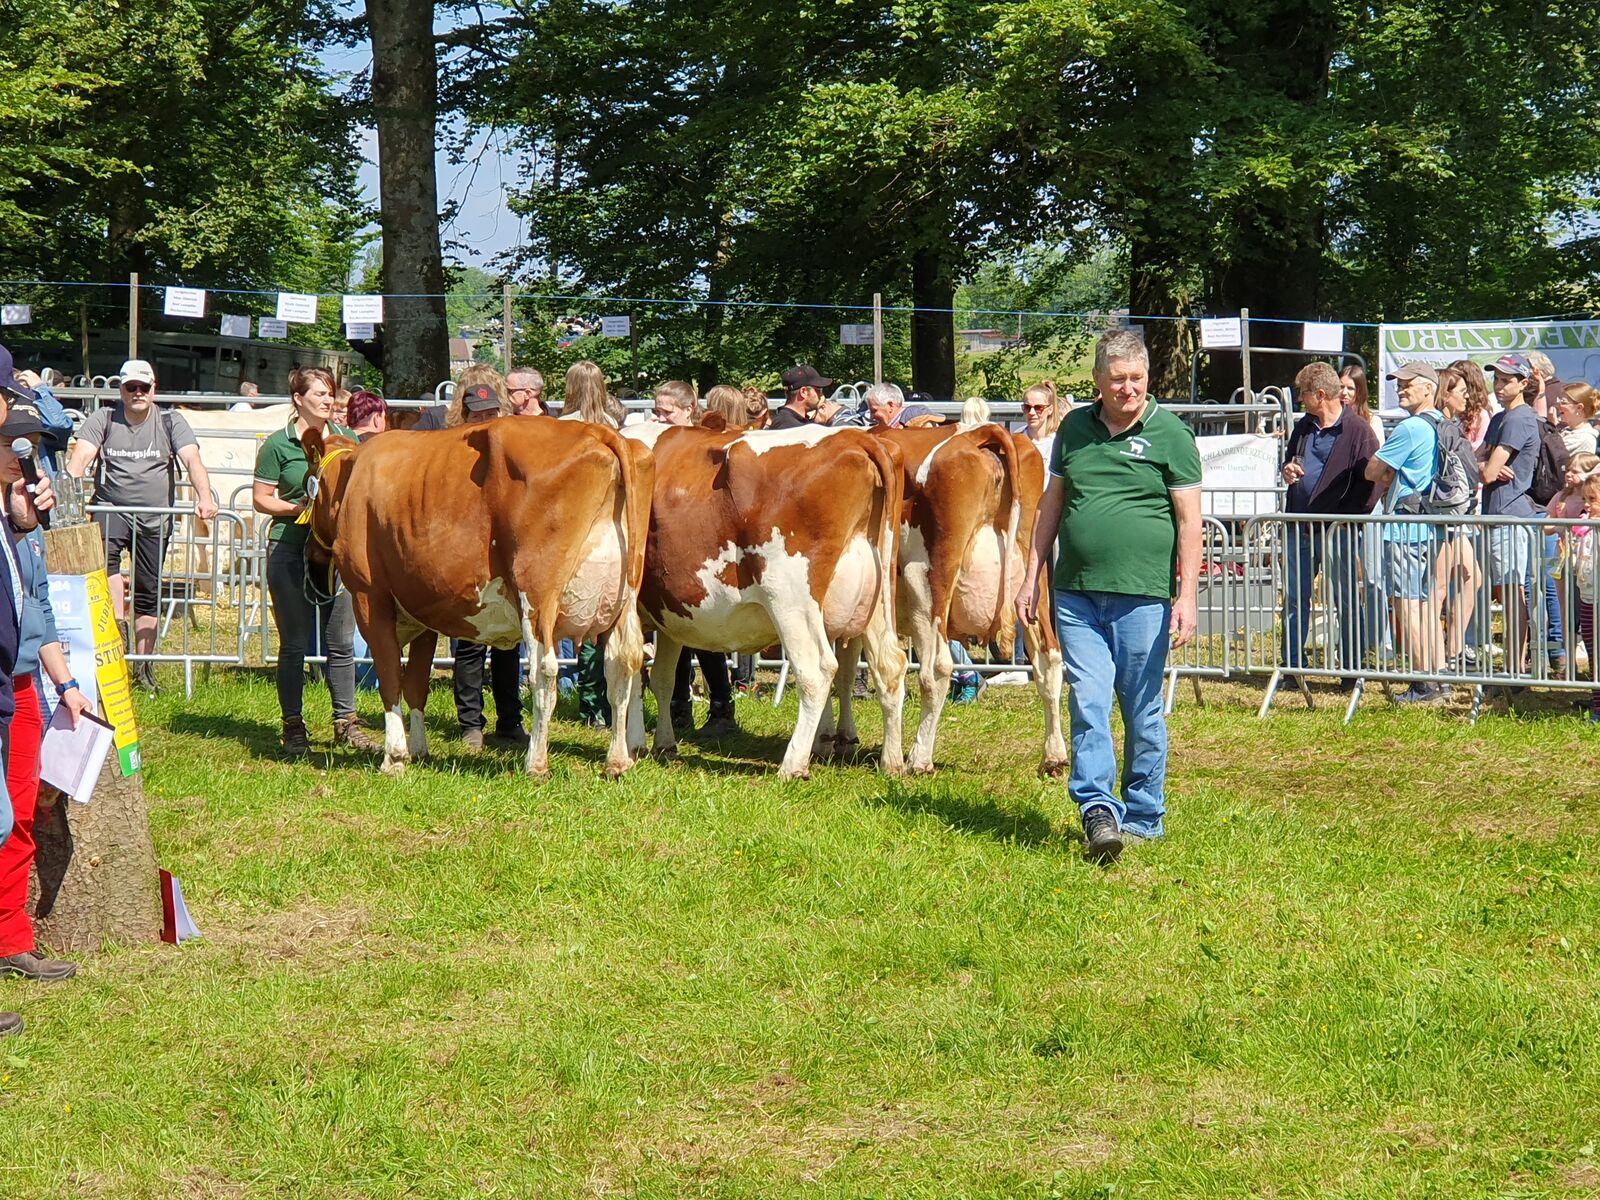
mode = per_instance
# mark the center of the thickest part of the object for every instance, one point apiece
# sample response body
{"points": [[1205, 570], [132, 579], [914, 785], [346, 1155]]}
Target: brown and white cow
{"points": [[971, 500], [766, 536], [509, 531]]}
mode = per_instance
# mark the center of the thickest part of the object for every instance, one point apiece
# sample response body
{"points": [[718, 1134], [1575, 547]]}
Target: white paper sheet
{"points": [[297, 308], [185, 302], [70, 759]]}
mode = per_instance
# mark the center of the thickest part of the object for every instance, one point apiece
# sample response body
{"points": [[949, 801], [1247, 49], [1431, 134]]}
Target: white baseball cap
{"points": [[136, 370]]}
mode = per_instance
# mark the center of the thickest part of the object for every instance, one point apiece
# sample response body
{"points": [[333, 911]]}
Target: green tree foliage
{"points": [[195, 141]]}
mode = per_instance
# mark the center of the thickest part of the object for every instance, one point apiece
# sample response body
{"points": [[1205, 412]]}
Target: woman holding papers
{"points": [[39, 649]]}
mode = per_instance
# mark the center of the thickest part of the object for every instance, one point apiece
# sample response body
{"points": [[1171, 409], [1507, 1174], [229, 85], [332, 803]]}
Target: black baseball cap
{"points": [[804, 376], [479, 399], [21, 421]]}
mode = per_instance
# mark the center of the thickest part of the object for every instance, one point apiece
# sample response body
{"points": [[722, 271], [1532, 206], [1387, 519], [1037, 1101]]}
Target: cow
{"points": [[503, 532], [763, 536], [971, 499]]}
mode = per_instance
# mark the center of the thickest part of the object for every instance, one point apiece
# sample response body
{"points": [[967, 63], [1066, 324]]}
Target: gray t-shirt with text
{"points": [[136, 460]]}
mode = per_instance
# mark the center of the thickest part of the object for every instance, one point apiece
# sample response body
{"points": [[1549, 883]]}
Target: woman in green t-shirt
{"points": [[280, 493]]}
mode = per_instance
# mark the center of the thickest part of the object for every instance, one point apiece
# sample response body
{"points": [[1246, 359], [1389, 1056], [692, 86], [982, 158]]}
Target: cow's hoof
{"points": [[894, 770], [394, 768], [800, 773], [1053, 769], [614, 771], [922, 768], [667, 753], [538, 774], [845, 749]]}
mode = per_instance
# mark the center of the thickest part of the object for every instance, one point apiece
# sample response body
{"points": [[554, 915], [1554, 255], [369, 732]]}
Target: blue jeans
{"points": [[1310, 548], [1114, 645]]}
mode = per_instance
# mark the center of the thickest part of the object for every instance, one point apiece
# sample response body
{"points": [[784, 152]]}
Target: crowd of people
{"points": [[1509, 441]]}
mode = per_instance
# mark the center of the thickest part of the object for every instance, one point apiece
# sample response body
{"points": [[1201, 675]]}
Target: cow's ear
{"points": [[311, 443], [715, 422]]}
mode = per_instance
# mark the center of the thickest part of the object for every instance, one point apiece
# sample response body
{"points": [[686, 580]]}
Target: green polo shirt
{"points": [[281, 462], [1118, 531]]}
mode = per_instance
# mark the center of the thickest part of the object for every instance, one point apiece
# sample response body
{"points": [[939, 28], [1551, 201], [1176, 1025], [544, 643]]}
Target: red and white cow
{"points": [[971, 500], [518, 530], [770, 536]]}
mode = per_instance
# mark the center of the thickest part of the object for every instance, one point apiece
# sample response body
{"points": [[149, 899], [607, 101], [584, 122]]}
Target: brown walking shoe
{"points": [[347, 731], [10, 1024], [472, 739], [296, 742]]}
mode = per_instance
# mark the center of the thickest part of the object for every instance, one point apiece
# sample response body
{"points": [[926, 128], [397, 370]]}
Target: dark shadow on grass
{"points": [[260, 738], [1026, 826]]}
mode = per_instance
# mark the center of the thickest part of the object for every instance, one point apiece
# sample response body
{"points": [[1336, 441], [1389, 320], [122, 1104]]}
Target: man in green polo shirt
{"points": [[1124, 500]]}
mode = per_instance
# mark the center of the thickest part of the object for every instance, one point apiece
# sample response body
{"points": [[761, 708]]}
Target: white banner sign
{"points": [[16, 314], [1221, 333], [360, 331], [271, 327], [1239, 474], [1322, 337], [855, 335], [616, 326], [236, 327], [184, 302], [1573, 346], [363, 310], [295, 308]]}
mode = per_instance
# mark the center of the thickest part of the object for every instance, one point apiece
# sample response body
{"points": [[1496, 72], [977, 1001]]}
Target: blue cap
{"points": [[9, 381]]}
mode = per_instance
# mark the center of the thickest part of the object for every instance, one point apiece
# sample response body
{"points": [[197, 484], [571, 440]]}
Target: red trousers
{"points": [[16, 855]]}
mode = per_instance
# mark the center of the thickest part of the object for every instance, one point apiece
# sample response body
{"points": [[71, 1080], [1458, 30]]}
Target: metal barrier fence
{"points": [[1480, 602]]}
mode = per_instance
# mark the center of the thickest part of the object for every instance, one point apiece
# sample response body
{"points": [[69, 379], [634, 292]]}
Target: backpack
{"points": [[1454, 487], [1549, 473]]}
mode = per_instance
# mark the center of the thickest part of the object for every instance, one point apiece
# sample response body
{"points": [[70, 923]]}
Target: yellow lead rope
{"points": [[305, 514]]}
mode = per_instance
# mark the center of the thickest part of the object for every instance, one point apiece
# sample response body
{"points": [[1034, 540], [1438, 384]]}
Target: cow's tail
{"points": [[637, 467], [886, 457], [997, 440]]}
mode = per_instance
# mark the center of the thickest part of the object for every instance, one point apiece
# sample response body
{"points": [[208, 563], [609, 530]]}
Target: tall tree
{"points": [[405, 105]]}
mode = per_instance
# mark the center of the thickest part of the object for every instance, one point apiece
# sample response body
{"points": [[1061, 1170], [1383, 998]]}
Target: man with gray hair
{"points": [[886, 405], [1124, 501], [526, 389]]}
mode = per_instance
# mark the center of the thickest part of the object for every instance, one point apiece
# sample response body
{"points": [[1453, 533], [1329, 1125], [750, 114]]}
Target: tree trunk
{"points": [[933, 326], [405, 101], [1153, 292], [95, 867]]}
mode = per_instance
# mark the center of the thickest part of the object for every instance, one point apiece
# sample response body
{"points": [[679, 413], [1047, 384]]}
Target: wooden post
{"points": [[95, 867], [133, 314], [1244, 354], [505, 326], [633, 341], [877, 337], [83, 335]]}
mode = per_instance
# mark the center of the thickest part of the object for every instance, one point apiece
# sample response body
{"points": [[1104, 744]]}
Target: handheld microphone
{"points": [[27, 457], [28, 460]]}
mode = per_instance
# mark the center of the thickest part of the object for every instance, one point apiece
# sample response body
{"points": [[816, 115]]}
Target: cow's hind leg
{"points": [[663, 673], [841, 741], [1044, 652], [419, 674], [544, 670], [886, 662], [933, 687], [624, 660], [812, 665]]}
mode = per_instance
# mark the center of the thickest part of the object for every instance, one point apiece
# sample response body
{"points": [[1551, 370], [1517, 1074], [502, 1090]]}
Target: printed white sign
{"points": [[855, 335], [295, 308], [616, 326], [184, 302], [1239, 474], [271, 327], [16, 314], [360, 331], [1221, 333], [236, 327], [363, 310], [1573, 346], [1322, 337]]}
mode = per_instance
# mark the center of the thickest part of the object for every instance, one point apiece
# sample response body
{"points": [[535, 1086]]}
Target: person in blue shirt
{"points": [[1403, 468], [56, 425], [1512, 449]]}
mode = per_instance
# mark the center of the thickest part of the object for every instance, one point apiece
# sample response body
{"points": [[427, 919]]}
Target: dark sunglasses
{"points": [[1035, 408], [137, 389]]}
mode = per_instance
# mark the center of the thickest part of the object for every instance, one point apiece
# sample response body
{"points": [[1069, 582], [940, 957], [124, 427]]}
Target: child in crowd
{"points": [[1568, 502], [1585, 562]]}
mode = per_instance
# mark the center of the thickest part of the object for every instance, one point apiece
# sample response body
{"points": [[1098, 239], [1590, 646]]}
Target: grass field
{"points": [[1362, 964]]}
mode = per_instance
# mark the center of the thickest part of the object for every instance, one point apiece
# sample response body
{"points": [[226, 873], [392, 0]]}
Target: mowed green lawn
{"points": [[1361, 964]]}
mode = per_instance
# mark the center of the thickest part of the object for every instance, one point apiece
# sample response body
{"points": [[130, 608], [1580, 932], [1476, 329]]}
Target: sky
{"points": [[484, 226]]}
